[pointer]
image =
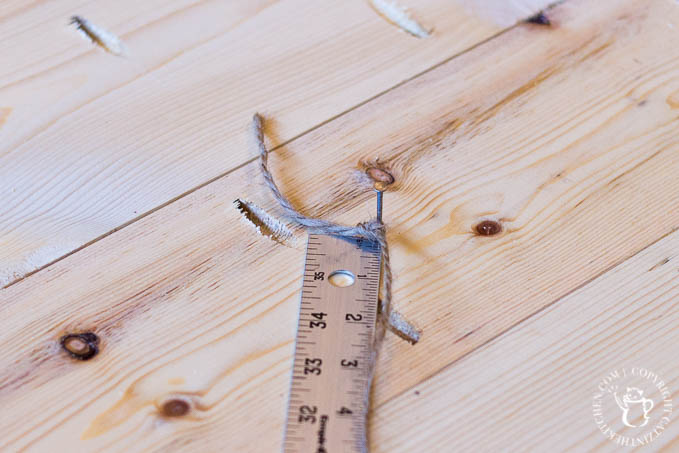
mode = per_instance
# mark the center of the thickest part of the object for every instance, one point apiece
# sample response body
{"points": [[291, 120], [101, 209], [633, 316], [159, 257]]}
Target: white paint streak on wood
{"points": [[400, 16]]}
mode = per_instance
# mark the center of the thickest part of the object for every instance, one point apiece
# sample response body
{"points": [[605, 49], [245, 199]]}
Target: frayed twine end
{"points": [[401, 327], [401, 17], [97, 35], [265, 224]]}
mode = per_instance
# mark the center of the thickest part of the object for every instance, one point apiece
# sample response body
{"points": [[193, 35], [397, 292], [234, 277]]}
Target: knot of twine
{"points": [[372, 230]]}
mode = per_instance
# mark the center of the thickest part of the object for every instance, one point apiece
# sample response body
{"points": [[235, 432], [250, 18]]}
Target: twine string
{"points": [[372, 230]]}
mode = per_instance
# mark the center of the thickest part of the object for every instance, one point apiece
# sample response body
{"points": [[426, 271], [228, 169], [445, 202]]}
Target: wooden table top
{"points": [[121, 242]]}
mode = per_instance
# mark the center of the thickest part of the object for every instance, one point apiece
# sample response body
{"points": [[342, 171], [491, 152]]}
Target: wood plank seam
{"points": [[635, 303], [127, 34], [272, 149], [521, 321], [295, 102]]}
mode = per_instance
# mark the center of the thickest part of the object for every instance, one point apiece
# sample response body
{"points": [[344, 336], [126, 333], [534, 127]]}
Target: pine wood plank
{"points": [[90, 141], [532, 389], [190, 301]]}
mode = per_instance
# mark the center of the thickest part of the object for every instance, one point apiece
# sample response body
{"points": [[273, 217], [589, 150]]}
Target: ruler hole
{"points": [[341, 278]]}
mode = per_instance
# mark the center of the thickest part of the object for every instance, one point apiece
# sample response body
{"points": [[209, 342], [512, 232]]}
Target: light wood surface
{"points": [[565, 135], [90, 141], [537, 395]]}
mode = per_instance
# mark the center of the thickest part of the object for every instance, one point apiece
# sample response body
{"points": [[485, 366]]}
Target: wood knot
{"points": [[488, 228], [175, 408], [81, 346]]}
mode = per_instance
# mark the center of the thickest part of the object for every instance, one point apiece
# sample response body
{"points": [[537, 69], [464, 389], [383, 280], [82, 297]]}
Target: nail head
{"points": [[380, 176]]}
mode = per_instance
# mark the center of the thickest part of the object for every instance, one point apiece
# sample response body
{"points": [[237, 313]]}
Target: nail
{"points": [[380, 194], [380, 176]]}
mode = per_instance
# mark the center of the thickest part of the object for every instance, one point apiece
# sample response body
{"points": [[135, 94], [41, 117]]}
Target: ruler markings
{"points": [[326, 407]]}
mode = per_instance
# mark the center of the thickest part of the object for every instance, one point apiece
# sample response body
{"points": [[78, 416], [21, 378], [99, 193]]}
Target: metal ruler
{"points": [[327, 407]]}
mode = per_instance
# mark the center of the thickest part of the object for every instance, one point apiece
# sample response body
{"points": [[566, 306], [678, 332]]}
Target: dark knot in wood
{"points": [[175, 408], [81, 346], [488, 228]]}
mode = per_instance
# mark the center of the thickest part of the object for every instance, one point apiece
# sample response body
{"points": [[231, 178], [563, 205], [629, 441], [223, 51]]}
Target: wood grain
{"points": [[532, 388], [569, 143], [90, 141]]}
